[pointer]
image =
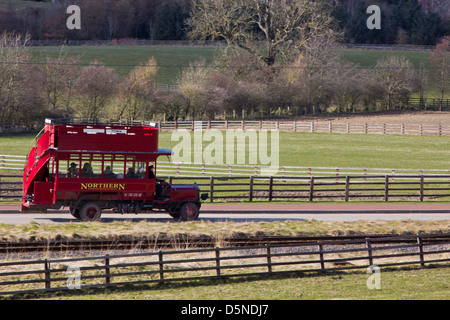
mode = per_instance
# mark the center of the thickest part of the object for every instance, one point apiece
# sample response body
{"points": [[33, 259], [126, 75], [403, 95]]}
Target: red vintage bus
{"points": [[89, 166]]}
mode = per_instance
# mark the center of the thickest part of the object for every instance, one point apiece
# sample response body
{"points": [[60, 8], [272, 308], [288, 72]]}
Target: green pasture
{"points": [[353, 150], [320, 149], [368, 58], [396, 284], [171, 59]]}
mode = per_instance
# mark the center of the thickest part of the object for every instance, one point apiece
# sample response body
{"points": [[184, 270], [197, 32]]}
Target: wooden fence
{"points": [[280, 125], [169, 168], [311, 188], [175, 169], [219, 263], [310, 127], [308, 188]]}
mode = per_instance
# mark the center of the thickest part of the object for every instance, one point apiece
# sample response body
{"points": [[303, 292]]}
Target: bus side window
{"points": [[118, 167], [141, 168], [86, 171]]}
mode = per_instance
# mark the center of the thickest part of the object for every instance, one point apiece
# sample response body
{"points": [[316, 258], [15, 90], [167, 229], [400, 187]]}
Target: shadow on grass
{"points": [[128, 288]]}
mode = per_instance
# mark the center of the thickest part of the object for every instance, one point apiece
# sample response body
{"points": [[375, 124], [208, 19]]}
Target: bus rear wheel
{"points": [[90, 212]]}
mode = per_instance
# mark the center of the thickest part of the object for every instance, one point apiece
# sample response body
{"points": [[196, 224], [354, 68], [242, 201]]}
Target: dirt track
{"points": [[395, 117]]}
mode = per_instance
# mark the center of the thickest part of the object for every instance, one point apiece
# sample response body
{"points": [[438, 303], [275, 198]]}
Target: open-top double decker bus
{"points": [[89, 166]]}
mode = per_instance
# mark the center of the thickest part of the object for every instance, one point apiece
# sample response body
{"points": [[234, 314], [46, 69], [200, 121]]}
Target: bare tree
{"points": [[94, 88], [440, 62], [192, 83], [14, 72], [396, 78], [58, 79], [266, 29], [137, 91]]}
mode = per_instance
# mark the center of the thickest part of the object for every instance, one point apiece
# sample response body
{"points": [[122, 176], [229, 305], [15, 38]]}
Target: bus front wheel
{"points": [[189, 211]]}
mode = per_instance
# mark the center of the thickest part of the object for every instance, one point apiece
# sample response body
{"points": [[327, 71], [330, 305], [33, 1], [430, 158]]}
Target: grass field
{"points": [[396, 284], [217, 230], [323, 150], [357, 151], [172, 58]]}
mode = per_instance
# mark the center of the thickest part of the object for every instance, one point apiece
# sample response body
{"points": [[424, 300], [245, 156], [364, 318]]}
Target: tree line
{"points": [[402, 21], [236, 83], [100, 20]]}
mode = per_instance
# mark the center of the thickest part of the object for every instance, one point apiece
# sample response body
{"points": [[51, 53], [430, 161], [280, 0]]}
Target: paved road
{"points": [[10, 214]]}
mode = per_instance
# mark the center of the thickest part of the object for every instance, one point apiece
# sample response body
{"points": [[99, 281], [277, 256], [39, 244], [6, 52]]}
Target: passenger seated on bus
{"points": [[86, 171], [73, 171], [130, 173], [151, 175], [108, 173], [141, 173]]}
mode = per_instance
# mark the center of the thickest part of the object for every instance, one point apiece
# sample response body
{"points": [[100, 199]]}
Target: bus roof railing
{"points": [[100, 121]]}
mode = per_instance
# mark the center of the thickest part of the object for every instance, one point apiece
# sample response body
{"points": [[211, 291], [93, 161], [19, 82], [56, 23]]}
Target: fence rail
{"points": [[309, 188], [218, 263], [311, 127], [166, 168], [312, 188], [279, 125]]}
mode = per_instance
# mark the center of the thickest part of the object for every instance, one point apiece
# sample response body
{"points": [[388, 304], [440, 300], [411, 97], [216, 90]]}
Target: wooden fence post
{"points": [[269, 259], [250, 192], [322, 262], [161, 265], [270, 188], [211, 189], [386, 188], [421, 187], [107, 274], [420, 244], [218, 261], [369, 250], [311, 189], [47, 274], [347, 187]]}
